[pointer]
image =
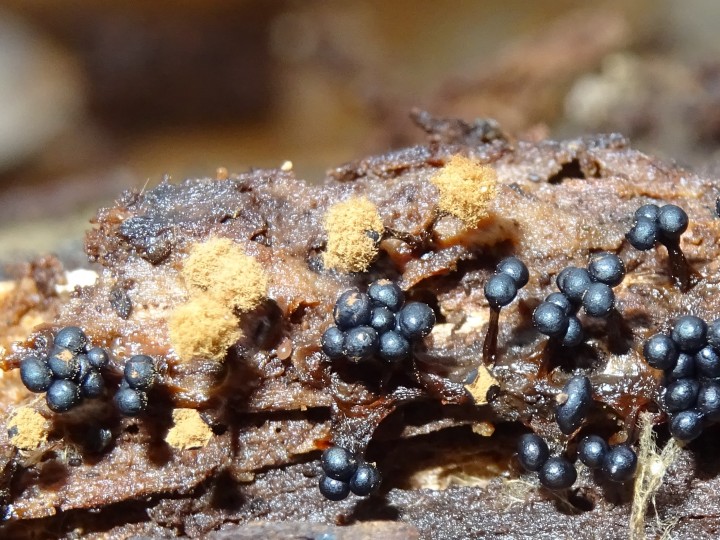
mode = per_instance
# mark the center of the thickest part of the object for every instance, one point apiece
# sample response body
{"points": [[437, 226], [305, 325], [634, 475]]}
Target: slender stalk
{"points": [[619, 334], [490, 344], [685, 276]]}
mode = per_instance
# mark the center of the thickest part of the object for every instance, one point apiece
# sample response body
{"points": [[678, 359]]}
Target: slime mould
{"points": [[244, 337]]}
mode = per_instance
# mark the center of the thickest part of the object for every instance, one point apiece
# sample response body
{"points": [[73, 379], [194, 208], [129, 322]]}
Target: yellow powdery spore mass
{"points": [[467, 187], [188, 431], [349, 224], [220, 268], [27, 429], [223, 283], [203, 328]]}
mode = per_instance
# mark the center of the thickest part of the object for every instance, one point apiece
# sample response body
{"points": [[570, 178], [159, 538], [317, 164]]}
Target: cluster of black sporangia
{"points": [[378, 322], [510, 276], [663, 224], [589, 288], [653, 223], [617, 463], [343, 473], [138, 377], [690, 358], [554, 472], [73, 371], [70, 373]]}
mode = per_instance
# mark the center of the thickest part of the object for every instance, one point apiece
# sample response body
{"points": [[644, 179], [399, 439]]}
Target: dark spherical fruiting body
{"points": [[648, 211], [62, 395], [98, 357], [516, 269], [550, 320], [382, 319], [334, 490], [64, 364], [643, 234], [532, 452], [576, 283], [687, 425], [672, 221], [620, 463], [708, 401], [140, 372], [393, 346], [561, 301], [684, 368], [574, 334], [384, 292], [35, 374], [681, 395], [130, 402], [365, 480], [352, 309], [360, 343], [71, 337], [607, 268], [338, 463], [332, 342], [578, 400], [689, 333], [592, 451], [560, 279], [707, 362], [557, 473], [415, 320], [660, 352], [500, 290], [599, 300], [93, 385]]}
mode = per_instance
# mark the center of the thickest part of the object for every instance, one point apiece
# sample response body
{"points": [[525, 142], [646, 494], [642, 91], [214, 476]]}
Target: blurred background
{"points": [[99, 97]]}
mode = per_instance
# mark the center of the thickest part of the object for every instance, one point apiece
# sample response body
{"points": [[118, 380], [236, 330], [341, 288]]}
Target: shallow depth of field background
{"points": [[96, 97]]}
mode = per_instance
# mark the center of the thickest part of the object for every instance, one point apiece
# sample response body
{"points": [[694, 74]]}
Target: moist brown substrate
{"points": [[272, 413]]}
